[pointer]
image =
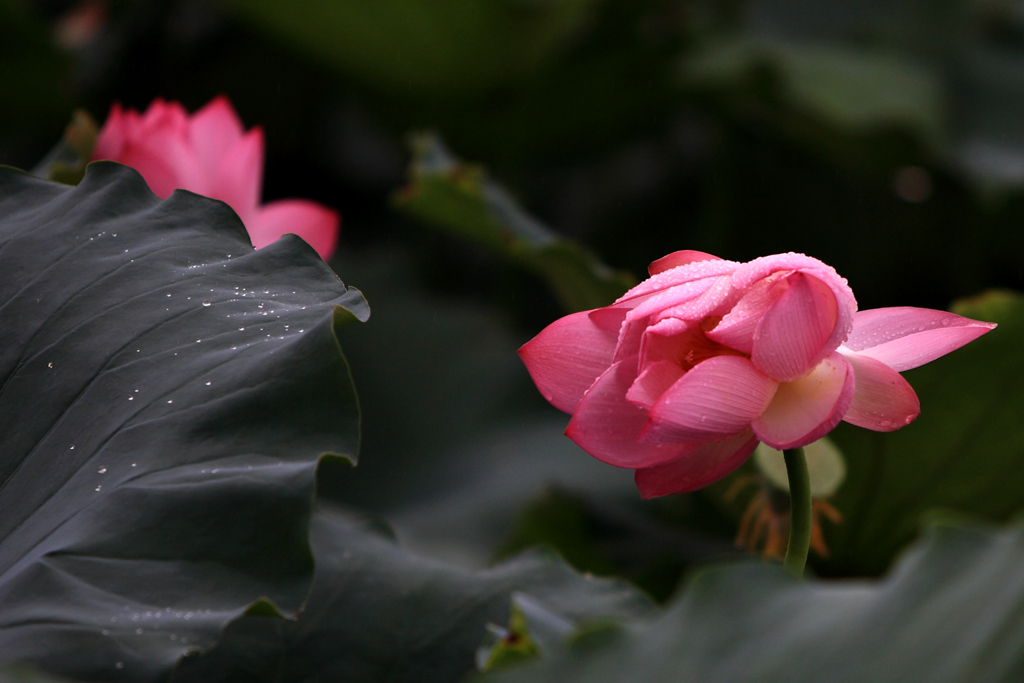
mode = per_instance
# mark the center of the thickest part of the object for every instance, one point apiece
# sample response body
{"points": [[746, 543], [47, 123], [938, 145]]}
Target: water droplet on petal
{"points": [[207, 303], [49, 365]]}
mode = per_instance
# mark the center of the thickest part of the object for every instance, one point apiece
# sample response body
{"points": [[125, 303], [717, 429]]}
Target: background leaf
{"points": [[167, 394], [379, 613], [965, 452], [405, 44], [854, 90], [460, 199], [456, 439], [950, 611]]}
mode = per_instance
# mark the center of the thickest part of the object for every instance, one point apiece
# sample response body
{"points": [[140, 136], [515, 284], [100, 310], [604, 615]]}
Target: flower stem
{"points": [[799, 511]]}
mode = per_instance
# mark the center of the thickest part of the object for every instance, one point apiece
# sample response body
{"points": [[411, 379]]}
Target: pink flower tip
{"points": [[685, 374], [210, 153]]}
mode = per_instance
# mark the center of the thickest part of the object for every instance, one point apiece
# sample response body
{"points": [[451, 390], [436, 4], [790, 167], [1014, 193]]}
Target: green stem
{"points": [[799, 511]]}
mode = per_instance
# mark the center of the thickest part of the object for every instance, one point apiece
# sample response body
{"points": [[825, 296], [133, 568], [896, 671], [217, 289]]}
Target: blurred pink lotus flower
{"points": [[211, 154], [682, 376]]}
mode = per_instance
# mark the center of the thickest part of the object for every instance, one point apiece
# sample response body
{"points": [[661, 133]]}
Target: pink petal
{"points": [[807, 408], [697, 270], [716, 399], [609, 318], [748, 274], [679, 258], [905, 337], [689, 301], [238, 180], [162, 177], [683, 343], [162, 139], [736, 330], [608, 426], [715, 301], [758, 269], [567, 357], [156, 145], [664, 340], [214, 130], [313, 222], [697, 468], [794, 333], [673, 296], [164, 115], [654, 381], [631, 335], [883, 400]]}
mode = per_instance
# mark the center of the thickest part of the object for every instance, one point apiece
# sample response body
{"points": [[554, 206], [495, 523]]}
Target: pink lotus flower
{"points": [[682, 376], [211, 154]]}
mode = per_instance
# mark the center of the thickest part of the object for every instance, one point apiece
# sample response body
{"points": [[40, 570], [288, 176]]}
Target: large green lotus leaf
{"points": [[413, 46], [952, 610], [462, 200], [380, 613], [964, 452], [167, 394]]}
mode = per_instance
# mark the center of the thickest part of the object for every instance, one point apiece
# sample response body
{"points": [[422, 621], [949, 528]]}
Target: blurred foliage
{"points": [[962, 453], [411, 46], [600, 537], [66, 162], [33, 91], [751, 622], [460, 199], [512, 645], [379, 613]]}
